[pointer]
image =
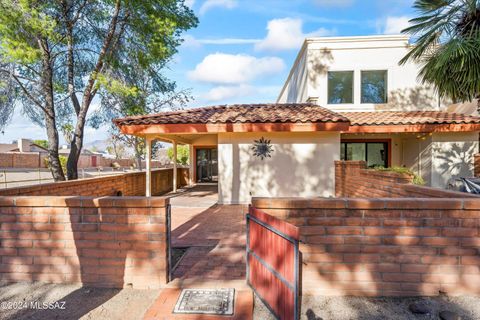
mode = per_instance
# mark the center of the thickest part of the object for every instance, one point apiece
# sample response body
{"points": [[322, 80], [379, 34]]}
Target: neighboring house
{"points": [[345, 98], [360, 77], [22, 145]]}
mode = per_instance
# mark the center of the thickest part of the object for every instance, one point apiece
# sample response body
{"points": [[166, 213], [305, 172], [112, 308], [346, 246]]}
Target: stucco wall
{"points": [[302, 164], [452, 156], [295, 89], [358, 54], [440, 157]]}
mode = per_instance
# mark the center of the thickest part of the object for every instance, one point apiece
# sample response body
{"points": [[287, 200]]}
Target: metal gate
{"points": [[273, 263]]}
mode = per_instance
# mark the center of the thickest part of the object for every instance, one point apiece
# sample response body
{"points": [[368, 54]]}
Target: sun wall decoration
{"points": [[262, 148]]}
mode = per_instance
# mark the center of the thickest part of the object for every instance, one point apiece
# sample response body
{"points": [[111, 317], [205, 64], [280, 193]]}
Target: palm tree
{"points": [[446, 37]]}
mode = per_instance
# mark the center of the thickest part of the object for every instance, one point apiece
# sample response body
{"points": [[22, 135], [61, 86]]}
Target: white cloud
{"points": [[189, 3], [209, 4], [394, 25], [286, 33], [224, 68], [192, 42], [227, 92], [333, 3]]}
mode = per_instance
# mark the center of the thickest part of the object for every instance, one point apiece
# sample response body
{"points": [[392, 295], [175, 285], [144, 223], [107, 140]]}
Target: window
{"points": [[374, 86], [374, 153], [340, 87]]}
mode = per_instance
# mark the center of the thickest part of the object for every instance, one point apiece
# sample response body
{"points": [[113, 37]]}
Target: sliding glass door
{"points": [[375, 153]]}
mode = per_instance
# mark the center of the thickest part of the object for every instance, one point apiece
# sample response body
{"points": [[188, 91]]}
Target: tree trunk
{"points": [[77, 144], [49, 110], [138, 154]]}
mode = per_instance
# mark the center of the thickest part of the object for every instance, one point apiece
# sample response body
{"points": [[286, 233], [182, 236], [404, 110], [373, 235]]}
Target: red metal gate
{"points": [[273, 263]]}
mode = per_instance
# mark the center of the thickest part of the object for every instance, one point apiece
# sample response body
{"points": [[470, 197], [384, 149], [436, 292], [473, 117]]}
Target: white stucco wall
{"points": [[452, 156], [302, 164], [358, 54], [440, 157], [295, 89]]}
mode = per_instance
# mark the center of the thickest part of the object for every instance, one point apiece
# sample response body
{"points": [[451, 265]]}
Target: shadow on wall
{"points": [[319, 61], [356, 249], [418, 98], [99, 242], [453, 161], [293, 170]]}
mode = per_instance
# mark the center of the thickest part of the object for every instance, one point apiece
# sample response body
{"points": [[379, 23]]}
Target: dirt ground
{"points": [[18, 301], [356, 308], [111, 304]]}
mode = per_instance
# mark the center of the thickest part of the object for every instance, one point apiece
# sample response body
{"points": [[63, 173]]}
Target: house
{"points": [[345, 98], [361, 78]]}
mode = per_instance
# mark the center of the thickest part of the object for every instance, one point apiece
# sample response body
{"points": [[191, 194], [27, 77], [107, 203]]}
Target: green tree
{"points": [[57, 56], [183, 153], [446, 43], [41, 143]]}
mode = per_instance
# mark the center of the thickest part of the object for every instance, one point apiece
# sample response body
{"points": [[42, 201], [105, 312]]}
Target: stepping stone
{"points": [[419, 307], [206, 301], [449, 315]]}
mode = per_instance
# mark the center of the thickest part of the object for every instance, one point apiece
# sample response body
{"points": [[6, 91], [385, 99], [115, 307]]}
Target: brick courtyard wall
{"points": [[476, 165], [353, 179], [385, 247], [100, 242], [128, 184]]}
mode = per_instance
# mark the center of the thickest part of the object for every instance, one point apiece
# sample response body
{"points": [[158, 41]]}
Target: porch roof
{"points": [[411, 121], [237, 118], [292, 117]]}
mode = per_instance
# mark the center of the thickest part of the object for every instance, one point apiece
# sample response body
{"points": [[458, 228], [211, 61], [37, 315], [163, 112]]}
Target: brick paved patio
{"points": [[214, 235]]}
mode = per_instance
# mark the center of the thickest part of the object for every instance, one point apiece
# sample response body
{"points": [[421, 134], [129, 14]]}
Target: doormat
{"points": [[206, 301]]}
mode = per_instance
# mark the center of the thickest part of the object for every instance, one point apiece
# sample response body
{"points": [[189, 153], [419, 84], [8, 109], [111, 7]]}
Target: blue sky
{"points": [[242, 50]]}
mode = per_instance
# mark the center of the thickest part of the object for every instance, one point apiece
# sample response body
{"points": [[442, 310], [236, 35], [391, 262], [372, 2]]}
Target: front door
{"points": [[207, 165]]}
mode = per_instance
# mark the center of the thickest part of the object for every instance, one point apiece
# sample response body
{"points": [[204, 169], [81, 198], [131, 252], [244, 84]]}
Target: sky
{"points": [[242, 50]]}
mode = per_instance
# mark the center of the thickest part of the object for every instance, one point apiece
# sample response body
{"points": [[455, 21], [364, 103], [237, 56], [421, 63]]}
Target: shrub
{"points": [[63, 162], [418, 180]]}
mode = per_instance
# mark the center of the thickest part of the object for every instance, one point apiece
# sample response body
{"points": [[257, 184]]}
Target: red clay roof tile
{"points": [[240, 113], [378, 118]]}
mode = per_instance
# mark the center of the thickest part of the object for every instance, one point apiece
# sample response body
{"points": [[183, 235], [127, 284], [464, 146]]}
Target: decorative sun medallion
{"points": [[262, 148]]}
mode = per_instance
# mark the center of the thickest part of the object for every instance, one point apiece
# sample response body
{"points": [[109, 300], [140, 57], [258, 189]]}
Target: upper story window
{"points": [[340, 87], [374, 86]]}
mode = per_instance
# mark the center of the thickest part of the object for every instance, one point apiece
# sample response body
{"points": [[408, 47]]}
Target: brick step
{"points": [[162, 308]]}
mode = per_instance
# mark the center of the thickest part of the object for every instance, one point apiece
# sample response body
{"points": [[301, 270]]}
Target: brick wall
{"points": [[36, 160], [101, 242], [353, 179], [22, 160], [476, 165], [385, 247], [129, 184]]}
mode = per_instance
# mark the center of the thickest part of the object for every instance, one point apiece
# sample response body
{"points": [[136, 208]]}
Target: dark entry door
{"points": [[207, 165]]}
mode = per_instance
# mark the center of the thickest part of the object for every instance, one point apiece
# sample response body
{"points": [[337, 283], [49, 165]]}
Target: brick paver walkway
{"points": [[215, 258], [214, 235]]}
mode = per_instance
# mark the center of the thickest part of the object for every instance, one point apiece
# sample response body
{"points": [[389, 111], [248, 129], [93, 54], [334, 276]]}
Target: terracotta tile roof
{"points": [[408, 118], [240, 113]]}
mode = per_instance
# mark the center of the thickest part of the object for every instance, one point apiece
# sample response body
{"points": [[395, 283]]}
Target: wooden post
{"points": [[174, 166], [148, 172]]}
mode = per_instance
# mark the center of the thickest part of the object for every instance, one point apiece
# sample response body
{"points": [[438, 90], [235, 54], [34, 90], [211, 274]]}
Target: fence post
{"points": [[5, 178]]}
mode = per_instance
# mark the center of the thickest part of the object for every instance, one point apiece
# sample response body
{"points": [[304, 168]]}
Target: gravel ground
{"points": [[80, 302], [100, 304], [356, 308]]}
